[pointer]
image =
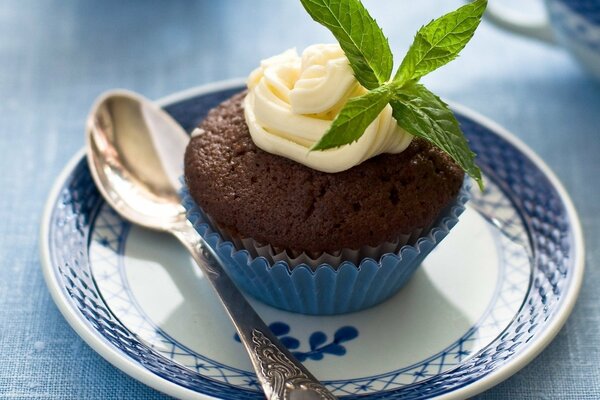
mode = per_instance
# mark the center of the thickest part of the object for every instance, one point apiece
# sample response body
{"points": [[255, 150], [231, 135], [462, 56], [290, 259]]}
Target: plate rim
{"points": [[136, 371]]}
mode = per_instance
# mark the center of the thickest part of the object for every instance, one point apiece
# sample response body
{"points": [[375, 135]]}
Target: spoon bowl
{"points": [[135, 151]]}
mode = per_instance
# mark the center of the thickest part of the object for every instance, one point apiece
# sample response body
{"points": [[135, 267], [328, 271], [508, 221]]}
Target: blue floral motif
{"points": [[317, 341]]}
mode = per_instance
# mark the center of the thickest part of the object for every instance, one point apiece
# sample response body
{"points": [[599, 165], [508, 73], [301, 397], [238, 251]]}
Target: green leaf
{"points": [[354, 118], [359, 36], [440, 41], [424, 115]]}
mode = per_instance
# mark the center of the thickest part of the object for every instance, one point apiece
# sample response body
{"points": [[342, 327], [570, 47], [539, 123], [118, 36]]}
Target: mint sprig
{"points": [[416, 109], [359, 36]]}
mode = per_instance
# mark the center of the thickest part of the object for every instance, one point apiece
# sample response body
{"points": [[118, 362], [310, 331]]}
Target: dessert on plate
{"points": [[326, 182]]}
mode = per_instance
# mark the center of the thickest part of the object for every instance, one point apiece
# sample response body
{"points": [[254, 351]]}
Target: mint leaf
{"points": [[440, 41], [354, 118], [359, 36], [424, 115]]}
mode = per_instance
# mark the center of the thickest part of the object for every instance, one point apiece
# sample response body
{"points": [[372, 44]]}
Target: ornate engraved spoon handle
{"points": [[282, 376]]}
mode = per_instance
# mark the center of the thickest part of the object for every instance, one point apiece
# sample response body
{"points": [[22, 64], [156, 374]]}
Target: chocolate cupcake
{"points": [[321, 232]]}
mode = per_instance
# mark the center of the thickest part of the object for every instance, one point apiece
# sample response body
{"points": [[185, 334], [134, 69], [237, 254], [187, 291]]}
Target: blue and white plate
{"points": [[482, 305]]}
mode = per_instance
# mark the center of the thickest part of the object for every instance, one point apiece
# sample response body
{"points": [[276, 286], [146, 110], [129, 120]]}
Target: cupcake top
{"points": [[274, 200], [330, 150]]}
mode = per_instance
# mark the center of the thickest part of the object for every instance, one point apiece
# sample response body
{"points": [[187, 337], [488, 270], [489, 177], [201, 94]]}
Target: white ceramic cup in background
{"points": [[573, 24]]}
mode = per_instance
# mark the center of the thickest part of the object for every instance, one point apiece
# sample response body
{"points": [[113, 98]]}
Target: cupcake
{"points": [[320, 226]]}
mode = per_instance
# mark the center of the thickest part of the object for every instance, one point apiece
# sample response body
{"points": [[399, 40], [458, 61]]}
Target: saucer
{"points": [[484, 303]]}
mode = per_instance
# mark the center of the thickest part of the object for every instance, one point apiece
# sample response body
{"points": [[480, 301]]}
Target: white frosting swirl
{"points": [[292, 101]]}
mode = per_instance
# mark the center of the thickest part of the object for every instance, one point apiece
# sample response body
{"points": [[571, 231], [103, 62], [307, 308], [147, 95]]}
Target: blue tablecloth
{"points": [[56, 56]]}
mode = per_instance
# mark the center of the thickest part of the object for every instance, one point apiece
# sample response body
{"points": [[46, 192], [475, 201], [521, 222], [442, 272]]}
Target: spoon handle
{"points": [[282, 376]]}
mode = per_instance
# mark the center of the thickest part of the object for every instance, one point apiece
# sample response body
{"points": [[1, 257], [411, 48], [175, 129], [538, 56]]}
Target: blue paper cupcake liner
{"points": [[325, 289]]}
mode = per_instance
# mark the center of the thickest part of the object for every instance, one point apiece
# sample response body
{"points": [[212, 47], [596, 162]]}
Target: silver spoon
{"points": [[135, 152]]}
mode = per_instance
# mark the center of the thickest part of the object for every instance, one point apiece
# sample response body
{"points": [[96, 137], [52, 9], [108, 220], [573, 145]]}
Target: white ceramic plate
{"points": [[483, 304]]}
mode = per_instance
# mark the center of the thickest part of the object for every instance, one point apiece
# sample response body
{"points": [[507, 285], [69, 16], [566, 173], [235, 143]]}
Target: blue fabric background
{"points": [[56, 56]]}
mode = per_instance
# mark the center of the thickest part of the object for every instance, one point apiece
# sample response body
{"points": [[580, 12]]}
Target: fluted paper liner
{"points": [[295, 258], [347, 281]]}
